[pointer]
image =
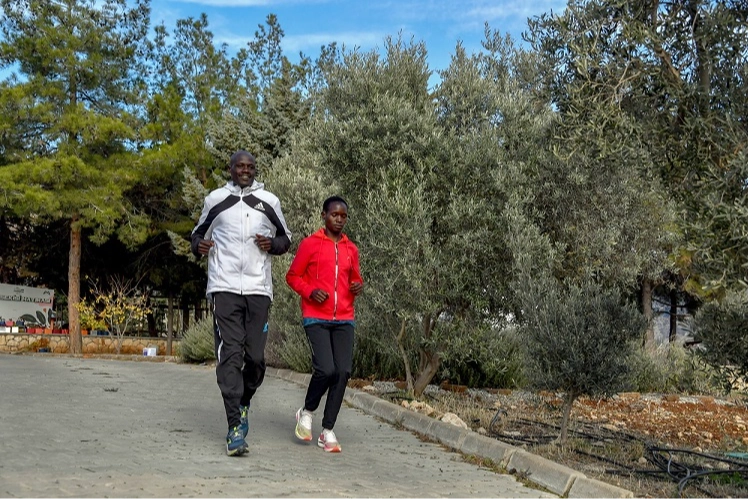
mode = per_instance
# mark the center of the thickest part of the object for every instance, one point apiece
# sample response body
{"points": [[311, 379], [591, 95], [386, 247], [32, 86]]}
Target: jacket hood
{"points": [[235, 189]]}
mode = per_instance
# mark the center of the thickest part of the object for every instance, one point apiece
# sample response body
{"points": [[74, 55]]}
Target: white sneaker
{"points": [[328, 441], [304, 425]]}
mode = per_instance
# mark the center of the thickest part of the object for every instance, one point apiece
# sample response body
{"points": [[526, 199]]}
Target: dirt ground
{"points": [[654, 445], [692, 422]]}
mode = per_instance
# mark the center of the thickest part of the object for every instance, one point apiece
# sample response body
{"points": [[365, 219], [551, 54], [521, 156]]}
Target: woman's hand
{"points": [[319, 296], [357, 287]]}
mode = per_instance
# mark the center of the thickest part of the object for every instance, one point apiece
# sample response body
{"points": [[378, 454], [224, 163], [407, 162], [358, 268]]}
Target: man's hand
{"points": [[262, 242], [319, 296], [203, 247], [357, 287]]}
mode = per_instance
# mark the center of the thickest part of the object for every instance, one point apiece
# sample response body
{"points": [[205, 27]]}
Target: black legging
{"points": [[332, 360]]}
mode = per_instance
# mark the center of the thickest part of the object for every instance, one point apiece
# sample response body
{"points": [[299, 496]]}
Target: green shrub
{"points": [[578, 339], [198, 344], [377, 356], [721, 325], [294, 350], [671, 369], [493, 359], [274, 347]]}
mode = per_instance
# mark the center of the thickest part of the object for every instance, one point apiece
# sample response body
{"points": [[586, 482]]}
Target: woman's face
{"points": [[335, 217]]}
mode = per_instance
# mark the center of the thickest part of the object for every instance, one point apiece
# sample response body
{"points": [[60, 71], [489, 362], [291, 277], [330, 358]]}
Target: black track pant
{"points": [[239, 323], [332, 361]]}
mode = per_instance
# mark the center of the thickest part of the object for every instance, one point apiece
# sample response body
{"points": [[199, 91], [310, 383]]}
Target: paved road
{"points": [[73, 427]]}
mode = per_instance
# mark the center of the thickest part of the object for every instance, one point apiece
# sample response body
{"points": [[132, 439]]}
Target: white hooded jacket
{"points": [[231, 217]]}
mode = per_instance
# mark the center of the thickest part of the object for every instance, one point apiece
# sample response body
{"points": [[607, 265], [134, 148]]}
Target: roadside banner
{"points": [[31, 305]]}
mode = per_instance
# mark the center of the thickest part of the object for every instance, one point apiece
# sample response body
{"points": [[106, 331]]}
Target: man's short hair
{"points": [[238, 154]]}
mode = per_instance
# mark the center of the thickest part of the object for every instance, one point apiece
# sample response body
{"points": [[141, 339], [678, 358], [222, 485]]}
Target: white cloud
{"points": [[233, 42], [249, 3], [311, 42], [466, 11], [523, 9], [230, 3], [461, 20]]}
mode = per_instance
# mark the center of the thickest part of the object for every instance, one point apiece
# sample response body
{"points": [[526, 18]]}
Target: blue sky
{"points": [[309, 24]]}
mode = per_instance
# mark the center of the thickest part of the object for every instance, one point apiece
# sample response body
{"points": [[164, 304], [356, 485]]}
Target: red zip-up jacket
{"points": [[321, 263]]}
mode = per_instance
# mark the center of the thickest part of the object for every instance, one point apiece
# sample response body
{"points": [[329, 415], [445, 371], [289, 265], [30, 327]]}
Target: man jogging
{"points": [[240, 226]]}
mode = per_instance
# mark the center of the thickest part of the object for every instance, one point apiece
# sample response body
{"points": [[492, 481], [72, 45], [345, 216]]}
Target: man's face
{"points": [[243, 171]]}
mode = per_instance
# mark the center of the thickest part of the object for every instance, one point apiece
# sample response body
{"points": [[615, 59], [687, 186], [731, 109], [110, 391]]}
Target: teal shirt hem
{"points": [[308, 321]]}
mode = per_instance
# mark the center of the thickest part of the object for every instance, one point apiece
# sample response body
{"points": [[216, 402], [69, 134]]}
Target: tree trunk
{"points": [[399, 339], [649, 335], [169, 322], [673, 315], [198, 311], [151, 319], [426, 373], [568, 403], [74, 287], [429, 360], [185, 316], [703, 64]]}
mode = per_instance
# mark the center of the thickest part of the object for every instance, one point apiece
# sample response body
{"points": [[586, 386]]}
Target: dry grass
{"points": [[629, 441]]}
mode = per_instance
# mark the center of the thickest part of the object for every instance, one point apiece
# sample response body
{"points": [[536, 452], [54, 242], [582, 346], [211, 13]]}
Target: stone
{"points": [[453, 419], [421, 407], [630, 395]]}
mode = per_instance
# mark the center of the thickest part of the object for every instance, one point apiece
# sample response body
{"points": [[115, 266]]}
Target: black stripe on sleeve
{"points": [[199, 233]]}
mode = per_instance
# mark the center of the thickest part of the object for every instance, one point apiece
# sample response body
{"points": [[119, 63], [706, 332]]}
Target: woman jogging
{"points": [[325, 273]]}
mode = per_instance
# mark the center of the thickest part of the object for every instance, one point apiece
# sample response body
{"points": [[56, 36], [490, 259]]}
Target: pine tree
{"points": [[79, 83]]}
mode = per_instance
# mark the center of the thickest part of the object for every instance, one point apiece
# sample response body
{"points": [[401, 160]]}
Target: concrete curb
{"points": [[102, 356], [552, 476]]}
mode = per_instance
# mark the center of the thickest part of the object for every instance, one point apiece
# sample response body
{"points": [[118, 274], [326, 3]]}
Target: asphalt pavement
{"points": [[92, 427]]}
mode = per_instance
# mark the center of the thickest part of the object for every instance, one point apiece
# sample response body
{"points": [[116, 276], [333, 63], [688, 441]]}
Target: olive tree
{"points": [[428, 175], [578, 339], [658, 87]]}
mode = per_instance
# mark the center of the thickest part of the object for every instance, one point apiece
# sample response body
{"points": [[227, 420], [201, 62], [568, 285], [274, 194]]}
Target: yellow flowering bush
{"points": [[89, 317], [117, 310]]}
